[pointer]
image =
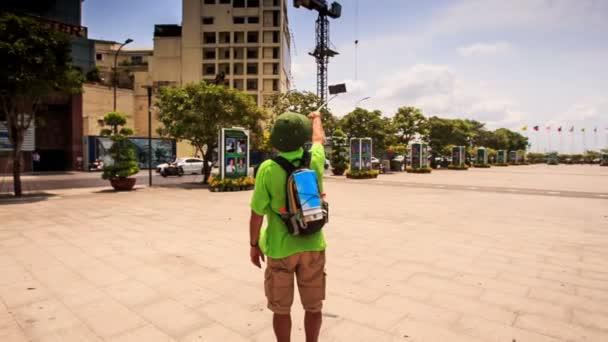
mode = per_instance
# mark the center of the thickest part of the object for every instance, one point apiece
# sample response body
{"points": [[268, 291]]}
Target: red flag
{"points": [[572, 129], [559, 129], [536, 128]]}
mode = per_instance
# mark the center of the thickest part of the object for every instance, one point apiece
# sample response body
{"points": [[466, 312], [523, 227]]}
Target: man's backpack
{"points": [[305, 211]]}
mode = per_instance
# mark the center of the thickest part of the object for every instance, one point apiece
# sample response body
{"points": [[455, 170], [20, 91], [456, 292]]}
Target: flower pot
{"points": [[123, 184]]}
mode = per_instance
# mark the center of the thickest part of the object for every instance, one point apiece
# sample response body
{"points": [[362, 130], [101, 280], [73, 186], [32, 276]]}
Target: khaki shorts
{"points": [[309, 270]]}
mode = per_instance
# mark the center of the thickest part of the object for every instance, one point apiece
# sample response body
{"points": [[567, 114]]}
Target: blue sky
{"points": [[506, 63]]}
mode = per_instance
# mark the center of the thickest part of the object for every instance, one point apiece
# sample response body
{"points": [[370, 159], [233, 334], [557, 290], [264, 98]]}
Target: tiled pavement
{"points": [[405, 263]]}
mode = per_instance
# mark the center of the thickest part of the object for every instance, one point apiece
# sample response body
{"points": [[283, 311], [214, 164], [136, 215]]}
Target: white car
{"points": [[190, 165]]}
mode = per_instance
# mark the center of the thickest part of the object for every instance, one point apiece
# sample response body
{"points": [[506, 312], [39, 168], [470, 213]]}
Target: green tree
{"points": [[339, 152], [362, 123], [303, 102], [122, 151], [36, 64], [409, 122], [440, 134], [196, 113]]}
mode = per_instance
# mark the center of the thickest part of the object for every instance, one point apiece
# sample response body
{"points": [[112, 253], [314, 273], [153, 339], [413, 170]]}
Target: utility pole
{"points": [[115, 78]]}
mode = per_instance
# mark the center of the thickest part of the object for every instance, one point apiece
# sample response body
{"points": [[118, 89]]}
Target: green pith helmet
{"points": [[290, 132]]}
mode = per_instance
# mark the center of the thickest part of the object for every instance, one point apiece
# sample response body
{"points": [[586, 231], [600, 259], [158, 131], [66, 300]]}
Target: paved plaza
{"points": [[513, 254]]}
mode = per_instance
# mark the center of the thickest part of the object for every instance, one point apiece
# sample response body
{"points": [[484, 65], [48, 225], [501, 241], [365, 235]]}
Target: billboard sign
{"points": [[361, 153], [458, 155], [482, 156], [234, 152], [366, 154]]}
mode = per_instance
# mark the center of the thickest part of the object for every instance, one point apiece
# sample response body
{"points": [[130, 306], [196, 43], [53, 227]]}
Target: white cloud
{"points": [[439, 90], [521, 15], [498, 48]]}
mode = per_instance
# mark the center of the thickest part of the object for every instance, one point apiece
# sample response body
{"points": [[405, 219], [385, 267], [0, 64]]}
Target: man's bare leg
{"points": [[282, 327], [312, 325]]}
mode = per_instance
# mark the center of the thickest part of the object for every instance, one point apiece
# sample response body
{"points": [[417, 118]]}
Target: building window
{"points": [[275, 68], [252, 84], [253, 20], [225, 68], [238, 3], [271, 3], [238, 20], [275, 36], [209, 53], [238, 68], [224, 37], [207, 20], [239, 37], [225, 2], [252, 68], [209, 38], [208, 69], [99, 57], [238, 53], [275, 18], [209, 2], [253, 37], [253, 3], [224, 53], [237, 84], [275, 53], [252, 53], [275, 85], [137, 60]]}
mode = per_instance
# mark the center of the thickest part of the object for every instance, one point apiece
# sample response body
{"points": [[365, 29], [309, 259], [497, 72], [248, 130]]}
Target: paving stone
{"points": [[76, 333], [172, 317], [107, 317], [214, 332], [39, 319], [412, 330], [590, 319], [147, 333], [519, 305], [559, 329], [495, 285], [436, 284], [132, 293], [496, 332], [22, 293], [473, 307]]}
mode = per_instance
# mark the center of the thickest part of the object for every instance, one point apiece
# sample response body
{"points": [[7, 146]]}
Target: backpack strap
{"points": [[289, 167], [285, 165]]}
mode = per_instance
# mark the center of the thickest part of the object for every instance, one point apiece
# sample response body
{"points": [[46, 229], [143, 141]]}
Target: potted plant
{"points": [[124, 163], [339, 160]]}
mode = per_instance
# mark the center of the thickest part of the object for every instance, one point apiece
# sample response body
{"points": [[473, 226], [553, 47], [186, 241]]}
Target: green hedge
{"points": [[419, 170], [362, 174], [482, 165], [501, 164], [458, 167]]}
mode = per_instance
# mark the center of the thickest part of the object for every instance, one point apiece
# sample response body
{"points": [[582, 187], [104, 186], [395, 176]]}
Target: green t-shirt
{"points": [[268, 199]]}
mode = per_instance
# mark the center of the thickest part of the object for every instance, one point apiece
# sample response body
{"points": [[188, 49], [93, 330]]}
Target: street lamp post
{"points": [[115, 83], [363, 99], [149, 90]]}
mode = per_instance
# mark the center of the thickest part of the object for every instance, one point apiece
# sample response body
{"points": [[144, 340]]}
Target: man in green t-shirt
{"points": [[289, 255]]}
